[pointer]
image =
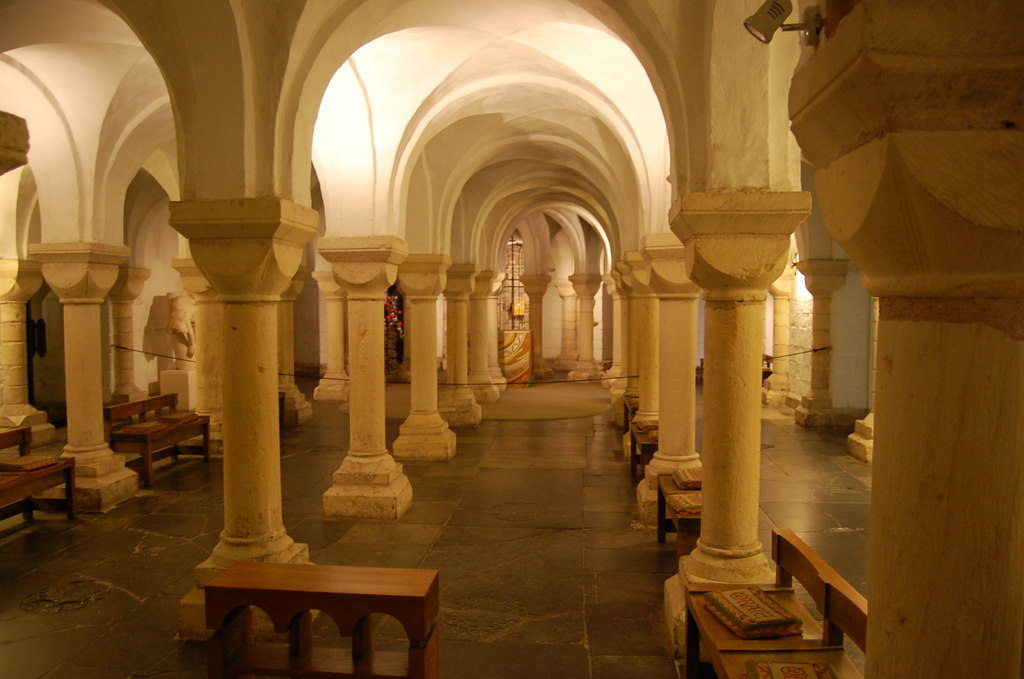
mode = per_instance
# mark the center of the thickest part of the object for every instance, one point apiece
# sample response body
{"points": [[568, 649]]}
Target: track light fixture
{"points": [[763, 23]]}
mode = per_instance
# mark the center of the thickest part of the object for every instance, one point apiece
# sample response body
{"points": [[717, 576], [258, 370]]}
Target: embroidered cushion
{"points": [[685, 504], [687, 479], [772, 669], [751, 613]]}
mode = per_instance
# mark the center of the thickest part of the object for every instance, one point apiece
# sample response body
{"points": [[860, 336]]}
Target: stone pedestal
{"points": [[568, 355], [479, 378], [737, 243], [369, 484], [535, 286], [81, 274], [297, 410], [918, 178], [248, 250], [585, 286], [424, 435], [823, 278], [19, 280], [333, 385], [677, 345], [612, 376], [776, 391], [122, 298], [456, 402], [209, 349]]}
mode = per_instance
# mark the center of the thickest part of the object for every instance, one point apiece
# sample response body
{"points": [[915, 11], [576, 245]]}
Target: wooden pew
{"points": [[348, 594], [686, 528], [18, 487], [152, 428], [842, 609]]}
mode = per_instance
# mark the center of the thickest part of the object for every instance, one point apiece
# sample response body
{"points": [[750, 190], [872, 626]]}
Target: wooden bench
{"points": [[18, 487], [643, 444], [152, 428], [686, 528], [288, 592], [843, 610]]}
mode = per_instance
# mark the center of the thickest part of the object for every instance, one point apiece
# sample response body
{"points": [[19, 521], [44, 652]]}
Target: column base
{"points": [[458, 407], [675, 614], [27, 415], [712, 565], [192, 607], [564, 363], [542, 371], [819, 414], [297, 410], [372, 488], [401, 374], [775, 397], [482, 391], [424, 436], [332, 387], [861, 443], [586, 370], [647, 489], [498, 378], [101, 479]]}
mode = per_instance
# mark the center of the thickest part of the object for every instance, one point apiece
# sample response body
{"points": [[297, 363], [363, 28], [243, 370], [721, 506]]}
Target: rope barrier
{"points": [[797, 353]]}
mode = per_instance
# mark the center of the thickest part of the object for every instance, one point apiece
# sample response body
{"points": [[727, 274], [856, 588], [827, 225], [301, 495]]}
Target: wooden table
{"points": [[348, 594], [17, 489]]}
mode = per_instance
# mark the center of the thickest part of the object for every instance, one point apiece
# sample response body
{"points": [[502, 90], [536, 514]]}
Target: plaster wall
{"points": [[800, 311], [851, 344]]}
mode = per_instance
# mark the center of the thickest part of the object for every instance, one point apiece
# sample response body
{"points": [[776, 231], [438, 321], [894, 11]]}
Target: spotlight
{"points": [[763, 23]]}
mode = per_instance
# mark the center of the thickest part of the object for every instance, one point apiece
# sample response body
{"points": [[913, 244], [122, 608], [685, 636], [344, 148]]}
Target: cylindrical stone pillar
{"points": [[369, 483], [619, 322], [122, 298], [646, 341], [861, 442], [297, 410], [248, 273], [81, 274], [737, 245], [492, 334], [456, 402], [535, 286], [777, 390], [568, 355], [424, 435], [479, 378], [333, 385], [209, 350], [677, 345], [586, 287]]}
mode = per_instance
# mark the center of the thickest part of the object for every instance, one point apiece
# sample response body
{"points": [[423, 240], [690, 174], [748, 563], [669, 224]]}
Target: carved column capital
{"points": [[365, 265], [535, 285], [484, 283], [295, 286], [19, 279], [586, 285], [80, 273], [459, 283], [823, 276], [423, 276], [194, 280], [328, 286], [249, 249], [129, 283], [667, 261]]}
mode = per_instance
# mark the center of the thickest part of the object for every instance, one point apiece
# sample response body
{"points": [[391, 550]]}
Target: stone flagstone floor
{"points": [[544, 571]]}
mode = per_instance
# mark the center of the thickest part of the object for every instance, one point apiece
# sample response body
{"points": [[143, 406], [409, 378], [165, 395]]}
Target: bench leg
{"points": [[69, 492], [661, 516], [147, 468], [206, 442], [425, 657], [692, 647]]}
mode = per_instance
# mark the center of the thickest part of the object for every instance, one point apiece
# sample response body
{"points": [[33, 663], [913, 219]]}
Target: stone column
{"points": [[823, 278], [631, 310], [567, 356], [122, 297], [480, 380], [492, 335], [209, 356], [424, 435], [19, 280], [248, 250], [585, 286], [13, 142], [456, 402], [860, 444], [738, 244], [81, 274], [777, 390], [927, 201], [297, 410], [369, 484], [535, 286], [646, 303], [619, 322], [677, 346], [334, 384]]}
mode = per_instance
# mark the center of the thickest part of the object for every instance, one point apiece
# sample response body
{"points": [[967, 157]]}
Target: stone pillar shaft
{"points": [[209, 348], [366, 342], [334, 384], [586, 287], [457, 403], [12, 330], [569, 352], [479, 378], [122, 299], [777, 388], [535, 286], [619, 322], [297, 409]]}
